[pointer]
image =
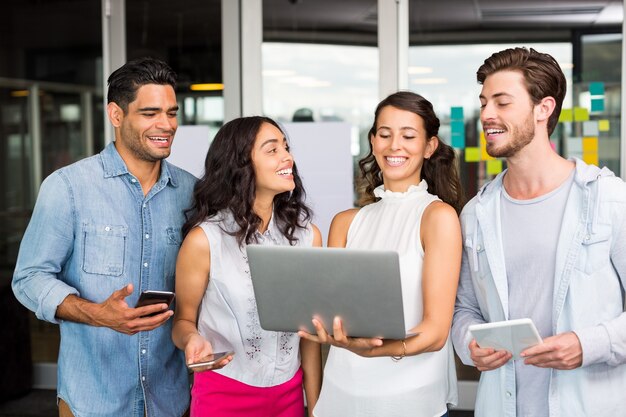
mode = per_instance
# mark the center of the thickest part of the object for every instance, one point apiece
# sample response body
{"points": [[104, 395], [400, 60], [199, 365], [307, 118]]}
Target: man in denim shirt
{"points": [[103, 230], [546, 239]]}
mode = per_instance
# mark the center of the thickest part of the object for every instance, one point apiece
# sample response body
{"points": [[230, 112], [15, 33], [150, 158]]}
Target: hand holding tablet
{"points": [[511, 335]]}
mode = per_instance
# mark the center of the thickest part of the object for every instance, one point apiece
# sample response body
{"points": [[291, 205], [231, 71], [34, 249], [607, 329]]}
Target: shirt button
{"points": [[147, 236], [144, 206], [587, 237], [143, 378], [478, 247], [107, 228], [145, 264], [133, 180], [143, 351], [508, 394]]}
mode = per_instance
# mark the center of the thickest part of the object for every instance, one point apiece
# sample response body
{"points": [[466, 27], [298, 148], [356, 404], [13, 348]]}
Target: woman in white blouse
{"points": [[412, 195], [250, 193]]}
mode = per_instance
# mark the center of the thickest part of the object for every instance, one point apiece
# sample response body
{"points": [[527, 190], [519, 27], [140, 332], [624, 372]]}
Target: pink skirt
{"points": [[216, 395]]}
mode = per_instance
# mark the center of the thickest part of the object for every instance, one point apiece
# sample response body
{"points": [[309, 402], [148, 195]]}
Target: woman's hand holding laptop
{"points": [[359, 345]]}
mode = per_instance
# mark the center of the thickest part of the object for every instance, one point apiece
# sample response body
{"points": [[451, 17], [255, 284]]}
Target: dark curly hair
{"points": [[229, 183], [439, 171]]}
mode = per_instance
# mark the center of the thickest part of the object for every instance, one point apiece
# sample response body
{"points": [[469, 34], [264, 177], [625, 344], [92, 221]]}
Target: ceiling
{"points": [[341, 21], [46, 36], [438, 21]]}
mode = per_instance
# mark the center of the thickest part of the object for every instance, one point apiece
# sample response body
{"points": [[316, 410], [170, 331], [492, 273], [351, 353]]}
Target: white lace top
{"points": [[228, 315], [417, 386]]}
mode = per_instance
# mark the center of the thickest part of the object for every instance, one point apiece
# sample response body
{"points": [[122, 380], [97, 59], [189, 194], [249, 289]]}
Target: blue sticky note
{"points": [[456, 113], [458, 141], [457, 127], [596, 89], [597, 104]]}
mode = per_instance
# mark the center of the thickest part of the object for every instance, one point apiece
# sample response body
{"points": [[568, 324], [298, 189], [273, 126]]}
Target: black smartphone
{"points": [[150, 297], [209, 361]]}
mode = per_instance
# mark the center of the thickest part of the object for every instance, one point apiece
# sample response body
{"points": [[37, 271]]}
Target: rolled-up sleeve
{"points": [[46, 245]]}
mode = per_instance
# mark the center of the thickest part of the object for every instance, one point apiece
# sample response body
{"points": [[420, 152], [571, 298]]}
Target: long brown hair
{"points": [[439, 171]]}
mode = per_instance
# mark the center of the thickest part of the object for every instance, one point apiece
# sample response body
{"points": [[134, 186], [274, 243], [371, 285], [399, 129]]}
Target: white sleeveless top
{"points": [[228, 316], [416, 386]]}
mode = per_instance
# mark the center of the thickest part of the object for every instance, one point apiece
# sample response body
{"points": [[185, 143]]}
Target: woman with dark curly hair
{"points": [[412, 196], [250, 193]]}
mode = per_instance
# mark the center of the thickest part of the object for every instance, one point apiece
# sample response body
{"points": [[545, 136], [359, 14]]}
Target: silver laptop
{"points": [[363, 287]]}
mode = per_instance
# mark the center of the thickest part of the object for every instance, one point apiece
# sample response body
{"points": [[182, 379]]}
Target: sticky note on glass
{"points": [[494, 166], [472, 154], [597, 104], [581, 114], [483, 148], [566, 115], [591, 158], [458, 141], [590, 128], [457, 127], [456, 113], [596, 88], [574, 146], [604, 125], [590, 145]]}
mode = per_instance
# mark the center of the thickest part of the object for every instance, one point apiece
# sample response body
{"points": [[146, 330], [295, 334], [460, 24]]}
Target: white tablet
{"points": [[510, 335]]}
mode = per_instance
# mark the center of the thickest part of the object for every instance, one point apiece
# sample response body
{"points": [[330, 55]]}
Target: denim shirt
{"points": [[588, 296], [92, 232]]}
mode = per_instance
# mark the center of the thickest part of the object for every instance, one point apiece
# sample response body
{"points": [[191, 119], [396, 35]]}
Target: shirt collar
{"points": [[114, 166]]}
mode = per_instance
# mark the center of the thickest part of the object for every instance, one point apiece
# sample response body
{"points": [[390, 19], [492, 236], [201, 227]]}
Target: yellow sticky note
{"points": [[472, 154], [590, 145], [591, 158], [494, 166], [566, 115], [581, 114], [483, 148], [604, 125]]}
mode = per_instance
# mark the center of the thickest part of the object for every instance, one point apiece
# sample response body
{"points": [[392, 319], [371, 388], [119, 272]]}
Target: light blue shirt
{"points": [[588, 296], [92, 232]]}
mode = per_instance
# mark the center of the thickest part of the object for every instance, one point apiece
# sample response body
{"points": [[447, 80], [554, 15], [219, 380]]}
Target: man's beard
{"points": [[521, 135]]}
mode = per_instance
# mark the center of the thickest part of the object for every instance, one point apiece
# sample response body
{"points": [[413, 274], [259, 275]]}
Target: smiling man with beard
{"points": [[103, 230], [546, 239]]}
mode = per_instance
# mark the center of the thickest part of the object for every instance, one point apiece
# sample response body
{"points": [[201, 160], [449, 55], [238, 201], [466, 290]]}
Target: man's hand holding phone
{"points": [[116, 314], [152, 298]]}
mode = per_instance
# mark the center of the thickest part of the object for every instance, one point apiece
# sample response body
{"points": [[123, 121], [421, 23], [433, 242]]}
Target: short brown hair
{"points": [[542, 74]]}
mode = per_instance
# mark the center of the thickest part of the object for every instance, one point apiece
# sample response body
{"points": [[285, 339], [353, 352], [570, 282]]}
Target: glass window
{"points": [[320, 64], [316, 82], [188, 36], [599, 90], [51, 114]]}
